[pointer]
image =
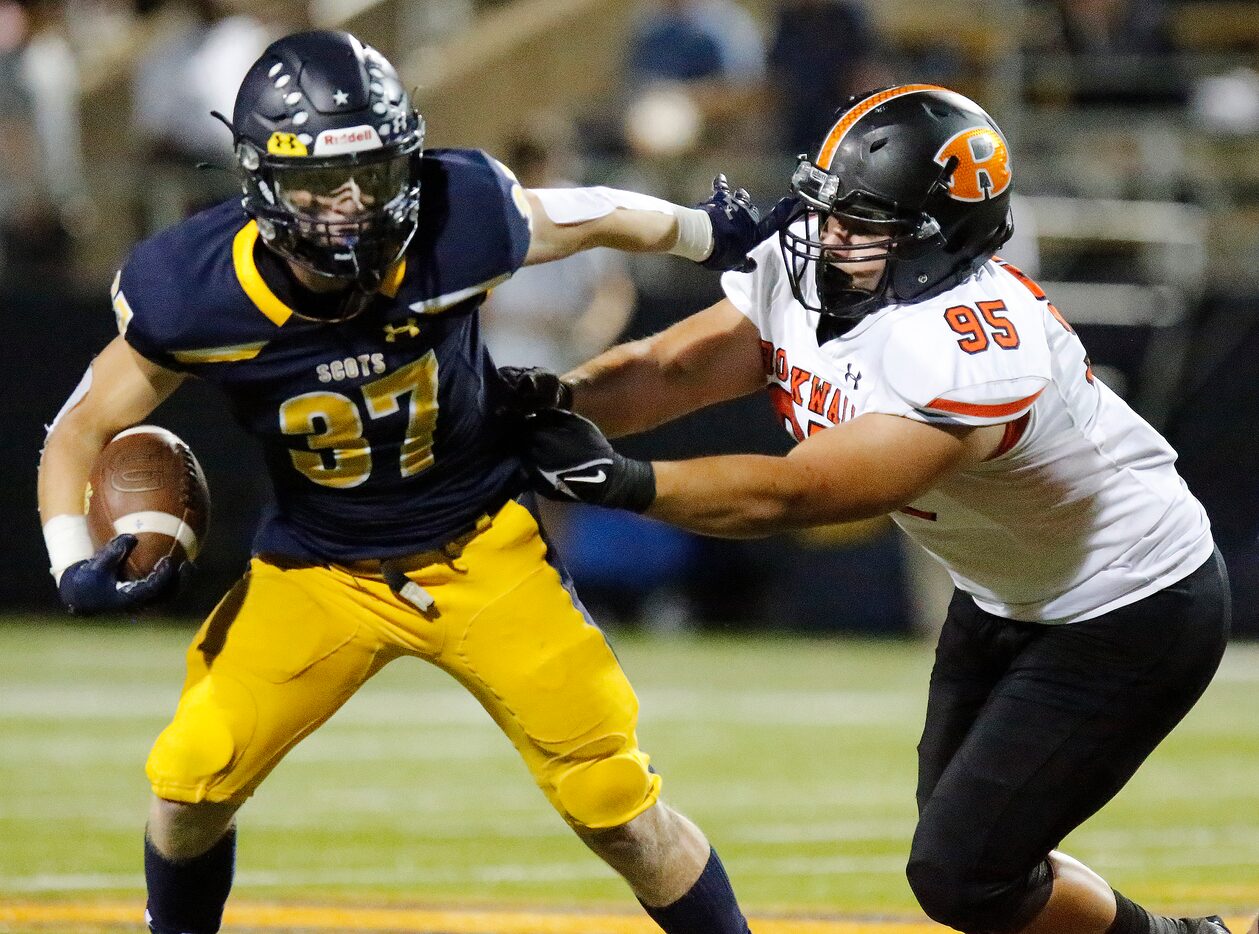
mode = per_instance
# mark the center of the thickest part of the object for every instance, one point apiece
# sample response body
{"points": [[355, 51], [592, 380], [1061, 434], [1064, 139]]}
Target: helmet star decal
{"points": [[340, 98]]}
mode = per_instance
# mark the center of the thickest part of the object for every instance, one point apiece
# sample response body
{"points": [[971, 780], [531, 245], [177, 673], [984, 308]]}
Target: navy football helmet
{"points": [[923, 170], [329, 145]]}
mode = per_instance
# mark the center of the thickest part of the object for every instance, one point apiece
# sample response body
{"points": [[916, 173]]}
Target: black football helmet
{"points": [[923, 169], [328, 146]]}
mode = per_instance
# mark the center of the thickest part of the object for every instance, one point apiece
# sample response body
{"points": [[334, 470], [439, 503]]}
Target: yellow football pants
{"points": [[289, 644]]}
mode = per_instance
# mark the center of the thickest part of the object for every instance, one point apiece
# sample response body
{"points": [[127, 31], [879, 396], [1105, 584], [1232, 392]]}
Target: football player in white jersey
{"points": [[926, 379]]}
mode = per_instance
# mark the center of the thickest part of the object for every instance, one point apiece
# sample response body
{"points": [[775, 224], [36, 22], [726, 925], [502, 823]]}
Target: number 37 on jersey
{"points": [[337, 426]]}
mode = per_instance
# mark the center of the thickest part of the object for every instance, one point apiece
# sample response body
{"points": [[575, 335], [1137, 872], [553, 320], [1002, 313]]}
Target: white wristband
{"points": [[695, 234], [67, 541]]}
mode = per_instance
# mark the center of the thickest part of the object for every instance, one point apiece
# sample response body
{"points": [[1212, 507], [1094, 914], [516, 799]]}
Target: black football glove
{"points": [[93, 586], [531, 388], [570, 459], [738, 227]]}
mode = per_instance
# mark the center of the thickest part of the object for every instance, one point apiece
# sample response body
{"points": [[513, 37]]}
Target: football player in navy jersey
{"points": [[336, 307]]}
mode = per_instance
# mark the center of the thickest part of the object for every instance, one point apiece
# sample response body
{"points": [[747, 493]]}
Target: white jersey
{"points": [[1079, 512]]}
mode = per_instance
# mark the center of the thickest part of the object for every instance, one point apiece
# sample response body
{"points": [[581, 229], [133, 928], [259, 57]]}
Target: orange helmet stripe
{"points": [[851, 116]]}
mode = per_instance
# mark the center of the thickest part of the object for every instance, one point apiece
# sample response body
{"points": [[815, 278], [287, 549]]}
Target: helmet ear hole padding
{"points": [[247, 157]]}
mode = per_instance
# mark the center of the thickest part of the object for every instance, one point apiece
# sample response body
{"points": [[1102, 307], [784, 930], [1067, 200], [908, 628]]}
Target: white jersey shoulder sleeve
{"points": [[975, 355], [756, 293]]}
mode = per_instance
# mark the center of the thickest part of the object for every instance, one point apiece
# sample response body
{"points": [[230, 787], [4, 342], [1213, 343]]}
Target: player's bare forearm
{"points": [[710, 357], [859, 470], [628, 371], [65, 465], [119, 390], [632, 230], [718, 233], [627, 230], [749, 496]]}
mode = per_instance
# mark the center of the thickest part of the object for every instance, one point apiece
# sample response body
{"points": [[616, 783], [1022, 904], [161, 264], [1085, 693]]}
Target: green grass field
{"points": [[797, 757]]}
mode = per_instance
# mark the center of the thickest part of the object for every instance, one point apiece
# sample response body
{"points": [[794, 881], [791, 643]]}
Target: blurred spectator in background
{"points": [[556, 314], [18, 152], [694, 41], [693, 69], [823, 51], [1227, 104], [51, 78], [1121, 52], [197, 60], [1110, 26], [42, 189]]}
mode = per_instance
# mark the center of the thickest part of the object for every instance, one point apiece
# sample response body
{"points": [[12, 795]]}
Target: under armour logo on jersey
{"points": [[981, 164], [854, 378], [407, 329]]}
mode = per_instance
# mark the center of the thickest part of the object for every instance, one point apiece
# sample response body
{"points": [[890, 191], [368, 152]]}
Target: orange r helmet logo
{"points": [[983, 164]]}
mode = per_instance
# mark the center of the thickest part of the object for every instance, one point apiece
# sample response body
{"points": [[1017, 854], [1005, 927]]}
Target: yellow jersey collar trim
{"points": [[260, 293], [250, 278]]}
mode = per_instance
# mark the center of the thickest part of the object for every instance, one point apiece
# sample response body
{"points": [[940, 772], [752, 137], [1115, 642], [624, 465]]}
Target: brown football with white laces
{"points": [[147, 483]]}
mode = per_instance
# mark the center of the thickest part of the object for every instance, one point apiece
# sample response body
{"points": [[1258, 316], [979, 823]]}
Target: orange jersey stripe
{"points": [[846, 122], [983, 410], [920, 513], [1023, 277], [1014, 432]]}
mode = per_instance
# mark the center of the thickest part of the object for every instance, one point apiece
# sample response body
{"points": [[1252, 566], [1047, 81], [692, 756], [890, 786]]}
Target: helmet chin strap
{"points": [[355, 303], [357, 292], [367, 280], [366, 284], [842, 303]]}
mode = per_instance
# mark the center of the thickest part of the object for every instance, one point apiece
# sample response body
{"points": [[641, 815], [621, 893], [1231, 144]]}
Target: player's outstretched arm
{"points": [[119, 389], [869, 467], [857, 470], [718, 233], [712, 356]]}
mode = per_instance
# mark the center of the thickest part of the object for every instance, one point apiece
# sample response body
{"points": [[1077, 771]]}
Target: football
{"points": [[146, 482]]}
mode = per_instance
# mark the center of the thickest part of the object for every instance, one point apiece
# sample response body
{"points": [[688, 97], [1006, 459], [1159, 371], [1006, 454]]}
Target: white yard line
{"points": [[513, 873]]}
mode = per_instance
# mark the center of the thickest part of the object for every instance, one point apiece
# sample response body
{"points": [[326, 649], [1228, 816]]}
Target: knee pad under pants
{"points": [[603, 793], [974, 902]]}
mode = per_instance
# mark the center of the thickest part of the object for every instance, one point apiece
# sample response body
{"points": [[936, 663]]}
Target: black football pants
{"points": [[1031, 728]]}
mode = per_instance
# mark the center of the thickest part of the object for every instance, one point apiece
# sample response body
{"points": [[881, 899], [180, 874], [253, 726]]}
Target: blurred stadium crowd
{"points": [[1134, 126]]}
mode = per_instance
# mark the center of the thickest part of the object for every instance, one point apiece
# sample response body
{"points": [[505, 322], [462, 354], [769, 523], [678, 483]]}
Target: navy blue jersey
{"points": [[379, 432]]}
